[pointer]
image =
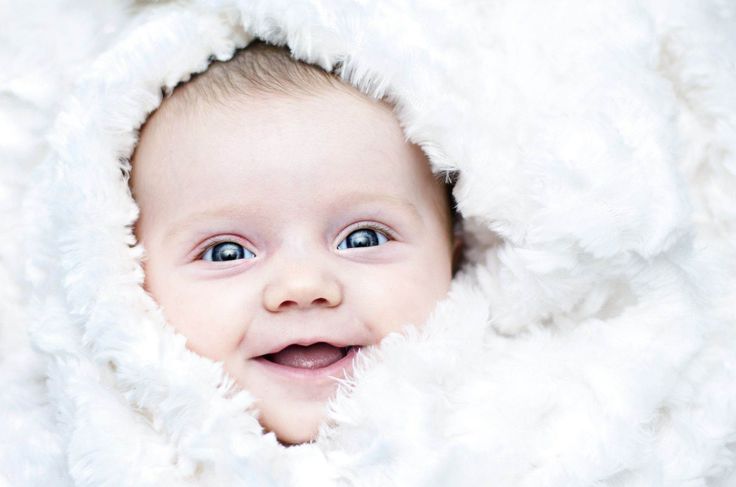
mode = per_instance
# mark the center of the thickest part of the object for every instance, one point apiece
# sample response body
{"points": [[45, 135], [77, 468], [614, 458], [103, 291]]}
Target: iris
{"points": [[365, 237], [225, 251]]}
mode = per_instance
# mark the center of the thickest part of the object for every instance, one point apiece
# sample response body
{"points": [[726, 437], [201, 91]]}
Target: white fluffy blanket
{"points": [[588, 341]]}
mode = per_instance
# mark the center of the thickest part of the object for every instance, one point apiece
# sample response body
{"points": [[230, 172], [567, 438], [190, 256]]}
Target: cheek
{"points": [[211, 314], [405, 293]]}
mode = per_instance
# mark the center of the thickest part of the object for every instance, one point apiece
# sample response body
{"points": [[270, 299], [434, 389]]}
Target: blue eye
{"points": [[225, 251], [364, 237]]}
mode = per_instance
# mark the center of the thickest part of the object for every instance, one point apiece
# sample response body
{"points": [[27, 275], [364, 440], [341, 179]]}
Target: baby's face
{"points": [[280, 222]]}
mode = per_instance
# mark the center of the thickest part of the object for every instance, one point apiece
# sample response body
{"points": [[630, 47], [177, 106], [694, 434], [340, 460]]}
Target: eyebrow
{"points": [[364, 198], [236, 210]]}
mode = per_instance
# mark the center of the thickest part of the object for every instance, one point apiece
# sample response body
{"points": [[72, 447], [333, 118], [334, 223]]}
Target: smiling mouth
{"points": [[315, 356]]}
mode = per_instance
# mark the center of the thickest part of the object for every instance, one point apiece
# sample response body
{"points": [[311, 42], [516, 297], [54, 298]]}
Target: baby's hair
{"points": [[259, 68]]}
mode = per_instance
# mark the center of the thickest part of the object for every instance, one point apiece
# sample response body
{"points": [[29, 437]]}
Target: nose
{"points": [[300, 288]]}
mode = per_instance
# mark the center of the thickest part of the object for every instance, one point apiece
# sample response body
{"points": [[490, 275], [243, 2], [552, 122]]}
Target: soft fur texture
{"points": [[44, 45], [589, 339]]}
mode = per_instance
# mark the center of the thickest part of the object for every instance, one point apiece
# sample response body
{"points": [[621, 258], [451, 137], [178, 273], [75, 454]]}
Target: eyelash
{"points": [[213, 243], [369, 226], [387, 232]]}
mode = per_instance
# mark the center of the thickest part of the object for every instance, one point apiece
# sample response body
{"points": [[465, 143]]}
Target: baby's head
{"points": [[287, 223]]}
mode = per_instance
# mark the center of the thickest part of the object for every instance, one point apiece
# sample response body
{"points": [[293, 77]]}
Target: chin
{"points": [[292, 438], [293, 428]]}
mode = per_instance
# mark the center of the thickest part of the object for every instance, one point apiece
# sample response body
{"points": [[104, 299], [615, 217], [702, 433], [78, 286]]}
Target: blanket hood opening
{"points": [[111, 328]]}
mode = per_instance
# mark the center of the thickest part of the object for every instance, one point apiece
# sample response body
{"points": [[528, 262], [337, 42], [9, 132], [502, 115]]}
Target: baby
{"points": [[287, 224]]}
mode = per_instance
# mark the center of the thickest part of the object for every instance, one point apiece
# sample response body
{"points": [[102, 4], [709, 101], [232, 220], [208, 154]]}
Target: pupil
{"points": [[362, 238], [227, 251]]}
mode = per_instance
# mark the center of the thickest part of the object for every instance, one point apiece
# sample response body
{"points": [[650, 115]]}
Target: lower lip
{"points": [[341, 367]]}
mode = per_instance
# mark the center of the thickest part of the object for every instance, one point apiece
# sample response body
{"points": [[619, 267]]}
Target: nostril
{"points": [[295, 304]]}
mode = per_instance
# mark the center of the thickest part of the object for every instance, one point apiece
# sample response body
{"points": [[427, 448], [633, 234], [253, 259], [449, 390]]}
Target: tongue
{"points": [[311, 357]]}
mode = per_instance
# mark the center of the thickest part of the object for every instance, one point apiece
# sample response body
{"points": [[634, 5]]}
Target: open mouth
{"points": [[315, 356]]}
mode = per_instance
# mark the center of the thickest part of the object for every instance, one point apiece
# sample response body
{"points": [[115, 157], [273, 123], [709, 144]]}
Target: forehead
{"points": [[265, 146]]}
